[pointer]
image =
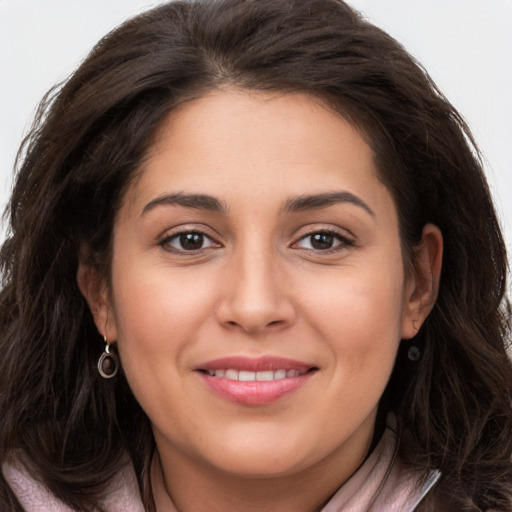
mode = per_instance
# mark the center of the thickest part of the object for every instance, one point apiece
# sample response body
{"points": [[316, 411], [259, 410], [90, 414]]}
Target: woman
{"points": [[253, 265]]}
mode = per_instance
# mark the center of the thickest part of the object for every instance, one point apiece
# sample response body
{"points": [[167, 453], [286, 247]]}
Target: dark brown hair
{"points": [[72, 429]]}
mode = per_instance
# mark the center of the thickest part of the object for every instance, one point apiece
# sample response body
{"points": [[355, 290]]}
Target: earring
{"points": [[108, 363], [414, 353]]}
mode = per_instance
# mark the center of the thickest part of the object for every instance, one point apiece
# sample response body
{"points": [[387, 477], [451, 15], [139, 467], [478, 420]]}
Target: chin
{"points": [[254, 457], [258, 467]]}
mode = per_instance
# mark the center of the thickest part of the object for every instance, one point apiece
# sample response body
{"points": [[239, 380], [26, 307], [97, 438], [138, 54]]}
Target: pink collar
{"points": [[382, 483]]}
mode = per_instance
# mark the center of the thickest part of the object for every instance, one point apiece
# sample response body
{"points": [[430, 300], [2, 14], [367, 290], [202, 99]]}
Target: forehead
{"points": [[246, 143], [276, 121]]}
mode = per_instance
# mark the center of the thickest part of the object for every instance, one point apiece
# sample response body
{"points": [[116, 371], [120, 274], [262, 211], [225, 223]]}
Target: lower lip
{"points": [[254, 392]]}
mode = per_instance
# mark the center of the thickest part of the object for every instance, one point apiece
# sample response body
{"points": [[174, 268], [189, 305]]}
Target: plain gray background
{"points": [[465, 45]]}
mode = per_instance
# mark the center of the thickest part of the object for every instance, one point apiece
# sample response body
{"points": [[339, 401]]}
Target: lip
{"points": [[255, 364], [255, 392]]}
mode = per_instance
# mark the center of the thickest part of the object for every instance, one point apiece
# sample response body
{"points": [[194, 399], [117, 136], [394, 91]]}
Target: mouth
{"points": [[260, 376], [258, 381]]}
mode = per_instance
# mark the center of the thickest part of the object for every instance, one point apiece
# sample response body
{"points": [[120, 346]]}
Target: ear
{"points": [[95, 290], [422, 283]]}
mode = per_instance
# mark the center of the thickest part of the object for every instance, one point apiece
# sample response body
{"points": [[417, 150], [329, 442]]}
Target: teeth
{"points": [[247, 376], [231, 374], [279, 374], [268, 375]]}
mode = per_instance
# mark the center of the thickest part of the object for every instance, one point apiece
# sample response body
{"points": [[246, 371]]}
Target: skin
{"points": [[258, 285]]}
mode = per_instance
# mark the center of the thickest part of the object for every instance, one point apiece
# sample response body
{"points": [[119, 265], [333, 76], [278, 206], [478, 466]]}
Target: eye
{"points": [[188, 241], [323, 241]]}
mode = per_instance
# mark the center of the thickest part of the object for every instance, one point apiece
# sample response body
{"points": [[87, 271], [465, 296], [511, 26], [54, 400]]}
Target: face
{"points": [[258, 292]]}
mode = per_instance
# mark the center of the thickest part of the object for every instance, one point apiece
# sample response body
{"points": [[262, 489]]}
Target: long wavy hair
{"points": [[71, 429]]}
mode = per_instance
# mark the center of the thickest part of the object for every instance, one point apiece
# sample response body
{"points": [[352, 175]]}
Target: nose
{"points": [[255, 294]]}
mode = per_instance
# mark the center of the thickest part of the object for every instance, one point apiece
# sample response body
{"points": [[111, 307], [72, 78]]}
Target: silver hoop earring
{"points": [[108, 363]]}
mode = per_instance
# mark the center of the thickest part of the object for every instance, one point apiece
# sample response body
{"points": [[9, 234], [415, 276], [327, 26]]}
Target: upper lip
{"points": [[252, 364]]}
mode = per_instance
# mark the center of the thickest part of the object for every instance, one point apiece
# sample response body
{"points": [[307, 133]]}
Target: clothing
{"points": [[123, 494], [381, 484]]}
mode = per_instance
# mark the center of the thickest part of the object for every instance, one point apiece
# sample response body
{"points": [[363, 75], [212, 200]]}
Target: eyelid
{"points": [[175, 233], [345, 240]]}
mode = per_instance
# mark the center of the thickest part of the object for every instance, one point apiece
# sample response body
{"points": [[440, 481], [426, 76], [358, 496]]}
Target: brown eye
{"points": [[323, 241], [191, 241], [188, 241]]}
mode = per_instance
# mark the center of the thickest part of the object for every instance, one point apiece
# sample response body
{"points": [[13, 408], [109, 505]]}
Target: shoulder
{"points": [[31, 494], [383, 483], [122, 495]]}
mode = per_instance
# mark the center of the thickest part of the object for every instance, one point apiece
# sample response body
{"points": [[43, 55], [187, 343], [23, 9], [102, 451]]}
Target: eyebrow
{"points": [[318, 201], [196, 201], [296, 204]]}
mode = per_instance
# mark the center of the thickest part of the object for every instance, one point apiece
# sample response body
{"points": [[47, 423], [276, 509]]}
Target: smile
{"points": [[261, 376], [255, 382]]}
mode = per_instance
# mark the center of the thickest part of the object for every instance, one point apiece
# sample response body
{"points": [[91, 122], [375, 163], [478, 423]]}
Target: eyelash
{"points": [[166, 241], [343, 242]]}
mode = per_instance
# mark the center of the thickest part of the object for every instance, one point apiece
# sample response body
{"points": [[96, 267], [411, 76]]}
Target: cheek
{"points": [[157, 315], [363, 303], [359, 316], [155, 323]]}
